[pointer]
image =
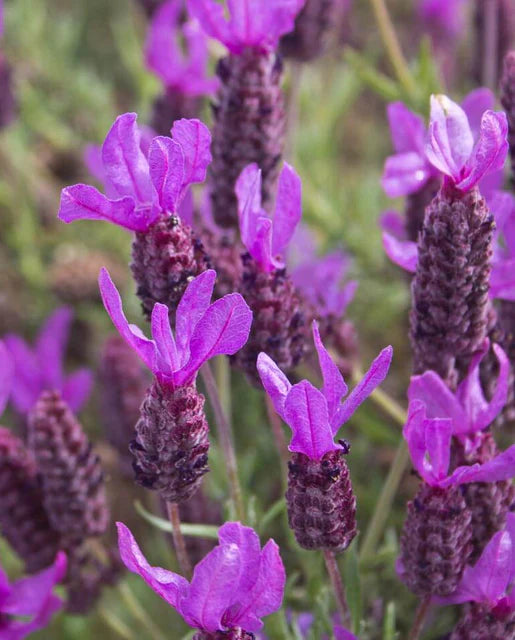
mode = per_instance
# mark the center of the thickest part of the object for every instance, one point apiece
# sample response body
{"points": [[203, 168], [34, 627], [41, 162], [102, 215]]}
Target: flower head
{"points": [[28, 604], [139, 187], [184, 72], [203, 330], [429, 444], [235, 585], [41, 368], [267, 238], [315, 416], [468, 409], [252, 23]]}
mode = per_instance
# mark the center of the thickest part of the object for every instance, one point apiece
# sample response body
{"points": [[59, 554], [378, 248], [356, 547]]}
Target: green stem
{"points": [[392, 46], [178, 539], [420, 617], [337, 584], [139, 612]]}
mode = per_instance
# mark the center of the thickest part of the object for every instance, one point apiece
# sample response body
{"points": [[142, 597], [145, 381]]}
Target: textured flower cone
{"points": [[171, 106], [171, 444], [502, 40], [72, 477], [321, 503], [508, 102], [165, 258], [416, 204], [224, 253], [23, 520], [449, 316], [479, 622], [249, 127], [123, 387], [436, 541], [308, 40], [233, 634], [279, 326], [342, 336]]}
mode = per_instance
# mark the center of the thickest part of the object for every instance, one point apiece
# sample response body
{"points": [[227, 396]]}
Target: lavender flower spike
{"points": [[171, 442], [41, 368], [28, 604], [321, 503], [232, 588]]}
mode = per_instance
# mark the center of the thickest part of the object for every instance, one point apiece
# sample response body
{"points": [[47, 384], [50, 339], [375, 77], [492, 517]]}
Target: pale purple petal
{"points": [[195, 81], [195, 140], [407, 129], [247, 541], [93, 161], [145, 348], [162, 55], [474, 105], [305, 411], [502, 467], [50, 347], [502, 280], [77, 388], [170, 586], [393, 223], [166, 166], [213, 588], [167, 358], [193, 305], [223, 329], [372, 379], [6, 376], [260, 246], [490, 183], [403, 253], [274, 381], [83, 202], [489, 152], [404, 173], [288, 208], [334, 386], [27, 383], [439, 401], [414, 434], [342, 634], [211, 17], [248, 194], [438, 435], [124, 162], [186, 208]]}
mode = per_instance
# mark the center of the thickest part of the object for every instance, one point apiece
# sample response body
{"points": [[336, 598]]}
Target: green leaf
{"points": [[389, 622], [192, 530], [352, 582]]}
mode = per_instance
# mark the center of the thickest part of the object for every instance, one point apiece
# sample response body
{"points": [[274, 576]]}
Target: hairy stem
{"points": [[420, 617], [178, 539], [337, 584]]}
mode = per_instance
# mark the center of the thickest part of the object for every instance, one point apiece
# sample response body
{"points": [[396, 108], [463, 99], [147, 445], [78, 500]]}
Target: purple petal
{"points": [[6, 376], [407, 129], [438, 435], [305, 411], [247, 541], [51, 345], [414, 434], [82, 202], [288, 208], [77, 388], [27, 383], [404, 173], [186, 208], [170, 586], [162, 55], [393, 223], [195, 140], [474, 105], [490, 150], [439, 401], [402, 253], [194, 81], [502, 467], [145, 348], [248, 193], [124, 162], [450, 141], [166, 166], [260, 247], [334, 386], [274, 381], [502, 280], [372, 379], [167, 358], [213, 588], [342, 634], [210, 15], [223, 329], [93, 161]]}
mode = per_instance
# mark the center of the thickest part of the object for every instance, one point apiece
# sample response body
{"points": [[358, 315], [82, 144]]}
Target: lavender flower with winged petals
{"points": [[232, 588], [41, 368], [28, 604]]}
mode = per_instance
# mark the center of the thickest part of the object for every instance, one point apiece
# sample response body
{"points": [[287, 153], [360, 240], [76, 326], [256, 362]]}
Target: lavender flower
{"points": [[41, 368], [143, 195], [171, 445], [436, 540], [232, 588], [279, 326], [321, 503], [488, 588], [249, 113], [28, 604], [183, 75]]}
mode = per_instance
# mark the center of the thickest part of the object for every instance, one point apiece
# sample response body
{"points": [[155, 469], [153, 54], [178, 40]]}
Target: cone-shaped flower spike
{"points": [[232, 588], [172, 434], [321, 503]]}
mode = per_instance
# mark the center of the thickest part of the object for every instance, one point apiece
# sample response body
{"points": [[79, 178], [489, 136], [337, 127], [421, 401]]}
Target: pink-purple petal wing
{"points": [[210, 15], [162, 55], [438, 435], [439, 401], [407, 128], [166, 349], [403, 253], [193, 305], [414, 434], [276, 384], [404, 173], [77, 388], [51, 346], [393, 223], [248, 194], [342, 634], [334, 387], [166, 166], [288, 208], [502, 467], [27, 383], [247, 541], [474, 105], [195, 140]]}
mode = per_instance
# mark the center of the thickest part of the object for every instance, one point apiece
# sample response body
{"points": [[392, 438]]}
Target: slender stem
{"points": [[139, 612], [225, 435], [116, 624], [178, 539], [490, 43], [337, 584], [384, 504], [392, 46], [277, 430], [420, 617], [223, 383]]}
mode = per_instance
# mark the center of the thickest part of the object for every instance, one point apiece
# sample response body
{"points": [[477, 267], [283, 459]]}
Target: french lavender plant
{"points": [[436, 541], [487, 589], [183, 74], [320, 499], [28, 604], [279, 324], [143, 195], [249, 111], [232, 588], [171, 444]]}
